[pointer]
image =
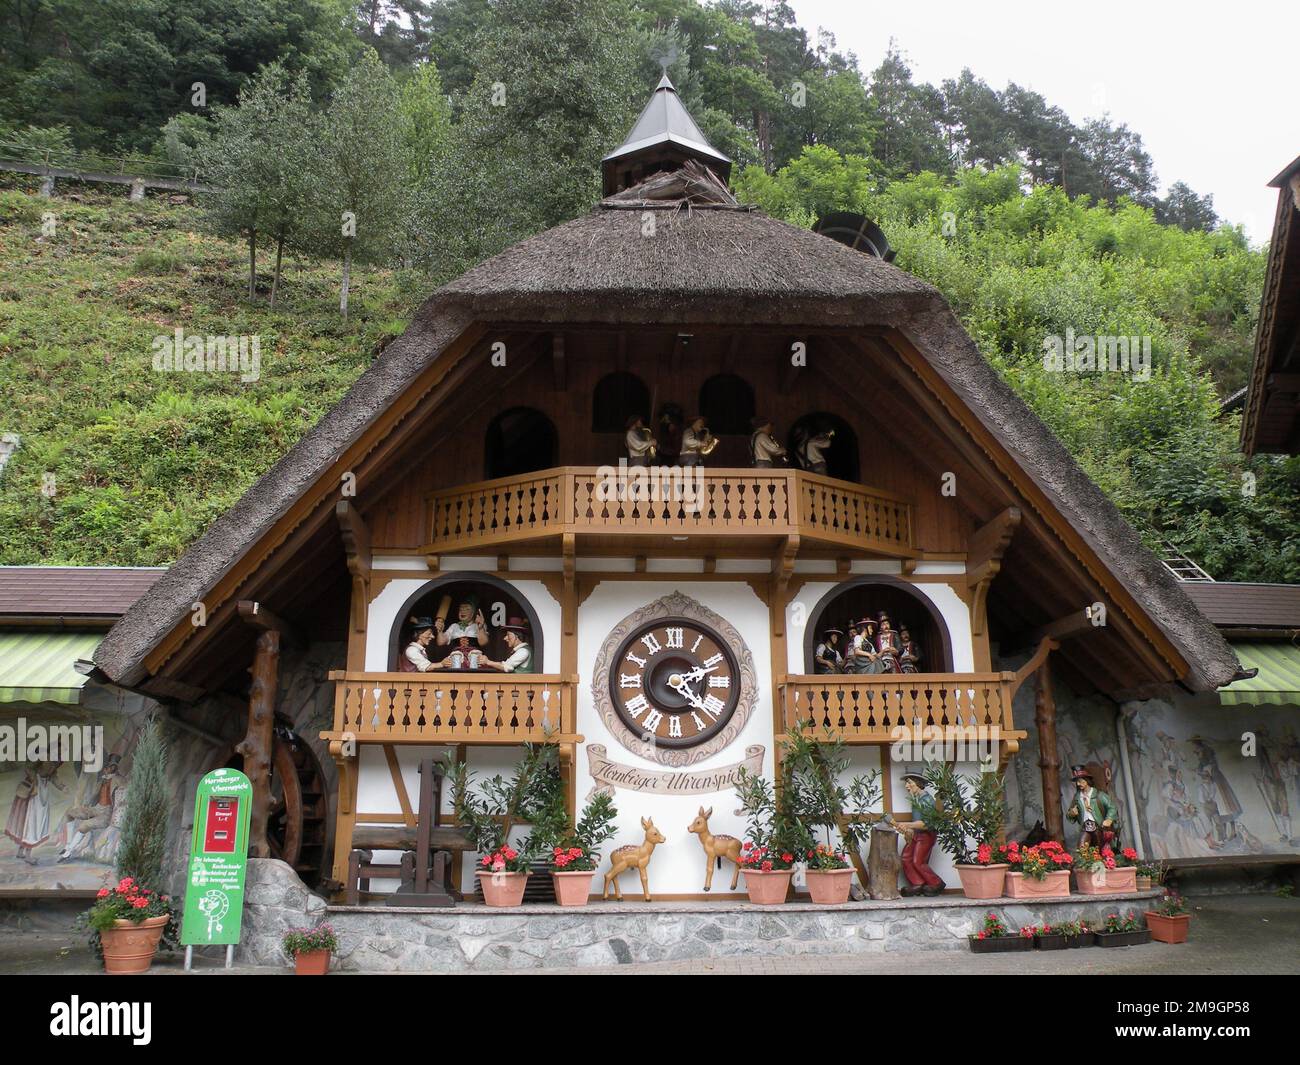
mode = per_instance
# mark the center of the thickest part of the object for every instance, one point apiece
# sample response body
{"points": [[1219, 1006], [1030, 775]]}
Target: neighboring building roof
{"points": [[1276, 682], [38, 667], [1272, 413], [72, 592], [1247, 606], [702, 266]]}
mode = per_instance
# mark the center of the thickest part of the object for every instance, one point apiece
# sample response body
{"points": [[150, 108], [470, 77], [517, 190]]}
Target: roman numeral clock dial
{"points": [[674, 682]]}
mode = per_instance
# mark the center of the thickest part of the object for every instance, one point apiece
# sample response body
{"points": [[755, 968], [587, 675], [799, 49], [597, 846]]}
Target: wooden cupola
{"points": [[663, 138]]}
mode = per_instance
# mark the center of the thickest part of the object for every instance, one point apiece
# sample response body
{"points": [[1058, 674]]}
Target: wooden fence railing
{"points": [[868, 708], [438, 708], [673, 501]]}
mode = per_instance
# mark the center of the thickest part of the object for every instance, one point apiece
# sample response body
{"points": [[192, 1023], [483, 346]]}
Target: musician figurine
{"points": [[520, 659], [697, 442], [469, 625], [1094, 811], [887, 645], [827, 657], [911, 653], [764, 451], [641, 443], [814, 451]]}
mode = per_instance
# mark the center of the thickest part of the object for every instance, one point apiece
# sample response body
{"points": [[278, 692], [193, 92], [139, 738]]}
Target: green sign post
{"points": [[214, 895]]}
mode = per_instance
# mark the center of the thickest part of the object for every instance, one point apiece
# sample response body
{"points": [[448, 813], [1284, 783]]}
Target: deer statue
{"points": [[715, 848], [625, 858]]}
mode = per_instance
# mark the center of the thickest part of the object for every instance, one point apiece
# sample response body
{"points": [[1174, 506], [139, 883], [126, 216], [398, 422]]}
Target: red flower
{"points": [[767, 867], [140, 904], [103, 893], [787, 857], [746, 845], [1130, 854]]}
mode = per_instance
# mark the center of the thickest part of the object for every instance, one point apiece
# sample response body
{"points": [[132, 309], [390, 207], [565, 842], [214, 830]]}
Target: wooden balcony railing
{"points": [[869, 708], [723, 502], [445, 708]]}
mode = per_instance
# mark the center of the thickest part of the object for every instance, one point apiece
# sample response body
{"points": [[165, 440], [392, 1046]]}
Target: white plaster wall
{"points": [[677, 866], [944, 597]]}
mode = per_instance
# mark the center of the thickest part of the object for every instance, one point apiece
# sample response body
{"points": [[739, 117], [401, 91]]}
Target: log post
{"points": [[1049, 757], [257, 743], [883, 864]]}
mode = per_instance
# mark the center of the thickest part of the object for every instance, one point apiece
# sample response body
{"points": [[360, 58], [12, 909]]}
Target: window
{"points": [[727, 403], [841, 457], [618, 396], [519, 440]]}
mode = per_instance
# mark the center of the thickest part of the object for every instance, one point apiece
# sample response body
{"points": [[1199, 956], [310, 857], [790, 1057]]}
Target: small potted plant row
{"points": [[1063, 936], [994, 937], [310, 949], [1122, 930]]}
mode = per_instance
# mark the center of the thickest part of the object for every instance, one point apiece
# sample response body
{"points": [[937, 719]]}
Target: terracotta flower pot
{"points": [[828, 887], [1106, 881], [130, 947], [572, 888], [768, 889], [1054, 884], [982, 881], [502, 889], [1168, 929], [312, 963]]}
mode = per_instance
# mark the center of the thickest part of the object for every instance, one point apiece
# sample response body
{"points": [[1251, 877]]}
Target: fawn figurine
{"points": [[715, 848], [625, 858]]}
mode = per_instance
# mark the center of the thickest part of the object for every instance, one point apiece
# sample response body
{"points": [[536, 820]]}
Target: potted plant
{"points": [[310, 949], [574, 857], [1125, 931], [503, 875], [1103, 871], [1039, 871], [1150, 873], [814, 769], [129, 921], [1050, 937], [993, 937], [1075, 933], [775, 836], [968, 827], [828, 875], [1170, 919]]}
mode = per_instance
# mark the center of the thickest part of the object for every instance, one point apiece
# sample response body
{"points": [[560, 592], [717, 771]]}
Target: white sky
{"points": [[1211, 87]]}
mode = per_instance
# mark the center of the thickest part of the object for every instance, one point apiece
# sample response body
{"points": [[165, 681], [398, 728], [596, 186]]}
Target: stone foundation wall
{"points": [[474, 938]]}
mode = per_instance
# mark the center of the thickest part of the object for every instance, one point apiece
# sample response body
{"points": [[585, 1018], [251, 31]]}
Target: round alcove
{"points": [[867, 597], [498, 600]]}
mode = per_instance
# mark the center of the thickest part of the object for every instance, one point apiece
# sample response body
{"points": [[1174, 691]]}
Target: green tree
{"points": [[148, 808]]}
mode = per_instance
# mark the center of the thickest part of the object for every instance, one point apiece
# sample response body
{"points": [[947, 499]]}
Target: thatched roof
{"points": [[700, 265]]}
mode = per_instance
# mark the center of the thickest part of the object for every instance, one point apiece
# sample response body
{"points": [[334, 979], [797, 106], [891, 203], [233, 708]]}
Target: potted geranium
{"points": [[1103, 871], [1122, 931], [1075, 933], [572, 869], [310, 949], [1050, 937], [993, 937], [774, 836], [1170, 920], [969, 815], [574, 858], [503, 875], [130, 921], [1039, 871], [829, 876]]}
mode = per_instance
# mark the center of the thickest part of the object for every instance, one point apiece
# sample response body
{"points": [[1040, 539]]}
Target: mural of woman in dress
{"points": [[29, 813]]}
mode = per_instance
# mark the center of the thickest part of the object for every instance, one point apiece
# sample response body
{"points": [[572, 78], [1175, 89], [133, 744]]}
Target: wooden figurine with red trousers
{"points": [[921, 879]]}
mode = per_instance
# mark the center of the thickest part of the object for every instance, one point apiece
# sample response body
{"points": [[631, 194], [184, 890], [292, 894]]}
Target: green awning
{"points": [[1278, 679], [36, 667]]}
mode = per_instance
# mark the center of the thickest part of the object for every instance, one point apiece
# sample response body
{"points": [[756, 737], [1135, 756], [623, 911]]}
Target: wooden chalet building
{"points": [[465, 466]]}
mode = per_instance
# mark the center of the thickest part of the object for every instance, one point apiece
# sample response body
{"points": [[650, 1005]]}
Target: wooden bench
{"points": [[427, 852], [1174, 866]]}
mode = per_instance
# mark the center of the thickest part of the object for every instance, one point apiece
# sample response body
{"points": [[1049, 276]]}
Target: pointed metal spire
{"points": [[663, 138]]}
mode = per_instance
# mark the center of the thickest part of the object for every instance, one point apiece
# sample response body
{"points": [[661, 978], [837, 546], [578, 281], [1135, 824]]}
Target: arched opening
{"points": [[617, 397], [501, 605], [861, 598], [841, 456], [519, 440], [727, 403]]}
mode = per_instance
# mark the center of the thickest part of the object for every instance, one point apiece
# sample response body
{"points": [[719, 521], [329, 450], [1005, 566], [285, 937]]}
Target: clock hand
{"points": [[687, 693], [698, 674]]}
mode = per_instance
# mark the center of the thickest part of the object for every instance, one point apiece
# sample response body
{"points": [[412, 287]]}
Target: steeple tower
{"points": [[663, 138]]}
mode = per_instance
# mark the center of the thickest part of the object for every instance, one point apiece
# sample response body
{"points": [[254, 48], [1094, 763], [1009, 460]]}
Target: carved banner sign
{"points": [[609, 775]]}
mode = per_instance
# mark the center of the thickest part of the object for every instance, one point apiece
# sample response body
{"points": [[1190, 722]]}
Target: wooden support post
{"points": [[984, 553], [1049, 758], [356, 546]]}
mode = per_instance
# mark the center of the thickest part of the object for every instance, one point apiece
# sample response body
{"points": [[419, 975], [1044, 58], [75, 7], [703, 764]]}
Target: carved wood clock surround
{"points": [[674, 682]]}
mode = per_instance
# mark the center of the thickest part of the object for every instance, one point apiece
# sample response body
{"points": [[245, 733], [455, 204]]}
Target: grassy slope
{"points": [[143, 461]]}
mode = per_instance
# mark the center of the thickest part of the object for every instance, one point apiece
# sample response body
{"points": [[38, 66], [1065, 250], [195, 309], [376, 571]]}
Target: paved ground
{"points": [[1231, 935]]}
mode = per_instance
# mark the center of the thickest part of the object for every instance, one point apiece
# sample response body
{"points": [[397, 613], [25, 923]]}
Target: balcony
{"points": [[728, 503], [441, 708], [867, 709]]}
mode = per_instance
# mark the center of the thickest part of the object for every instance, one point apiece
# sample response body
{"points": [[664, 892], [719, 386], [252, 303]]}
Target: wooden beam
{"points": [[258, 743], [259, 617], [984, 552], [681, 343], [356, 549], [782, 570], [1049, 757], [558, 364]]}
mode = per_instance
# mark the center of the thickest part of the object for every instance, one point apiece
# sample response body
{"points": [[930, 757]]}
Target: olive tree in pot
{"points": [[815, 768], [970, 813]]}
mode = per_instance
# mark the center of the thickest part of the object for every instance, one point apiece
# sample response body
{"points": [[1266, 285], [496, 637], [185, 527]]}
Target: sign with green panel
{"points": [[214, 894]]}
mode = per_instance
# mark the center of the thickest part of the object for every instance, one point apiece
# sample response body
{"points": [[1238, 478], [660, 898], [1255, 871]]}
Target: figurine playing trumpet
{"points": [[642, 447], [697, 442]]}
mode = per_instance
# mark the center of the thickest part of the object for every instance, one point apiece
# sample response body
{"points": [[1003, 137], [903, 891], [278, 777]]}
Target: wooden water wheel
{"points": [[296, 826]]}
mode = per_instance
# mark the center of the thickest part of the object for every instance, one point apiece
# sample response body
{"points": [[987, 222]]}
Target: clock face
{"points": [[674, 682]]}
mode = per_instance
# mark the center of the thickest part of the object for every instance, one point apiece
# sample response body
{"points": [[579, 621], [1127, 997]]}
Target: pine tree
{"points": [[148, 807]]}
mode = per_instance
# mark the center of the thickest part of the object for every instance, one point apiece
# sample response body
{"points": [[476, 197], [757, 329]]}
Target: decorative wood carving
{"points": [[983, 561]]}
